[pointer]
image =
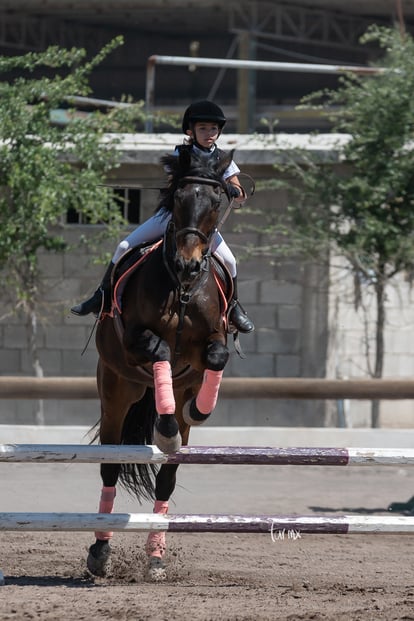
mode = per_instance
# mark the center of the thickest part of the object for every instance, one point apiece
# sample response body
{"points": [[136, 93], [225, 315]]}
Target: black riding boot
{"points": [[238, 315], [102, 294]]}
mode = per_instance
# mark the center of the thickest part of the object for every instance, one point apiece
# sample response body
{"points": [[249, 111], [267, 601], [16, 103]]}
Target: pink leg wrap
{"points": [[105, 506], [164, 396], [207, 397], [155, 545]]}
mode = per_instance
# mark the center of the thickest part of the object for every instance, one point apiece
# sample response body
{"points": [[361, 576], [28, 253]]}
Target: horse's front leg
{"points": [[144, 344], [197, 410]]}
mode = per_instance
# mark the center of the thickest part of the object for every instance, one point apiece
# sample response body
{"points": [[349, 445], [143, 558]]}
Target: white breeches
{"points": [[154, 228]]}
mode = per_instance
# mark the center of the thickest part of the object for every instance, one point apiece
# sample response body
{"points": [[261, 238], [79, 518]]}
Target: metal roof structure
{"points": [[312, 31], [97, 10], [327, 19]]}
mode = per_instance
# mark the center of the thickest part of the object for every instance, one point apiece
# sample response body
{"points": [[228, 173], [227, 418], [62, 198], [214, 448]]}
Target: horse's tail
{"points": [[139, 479]]}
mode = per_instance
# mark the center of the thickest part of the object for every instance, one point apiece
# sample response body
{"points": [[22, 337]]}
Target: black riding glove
{"points": [[233, 190]]}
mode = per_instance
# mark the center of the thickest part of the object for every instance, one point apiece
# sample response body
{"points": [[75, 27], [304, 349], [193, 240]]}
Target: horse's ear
{"points": [[184, 157], [226, 157], [170, 163]]}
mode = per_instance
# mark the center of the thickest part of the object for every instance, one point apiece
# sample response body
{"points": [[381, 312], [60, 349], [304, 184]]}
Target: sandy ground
{"points": [[212, 576]]}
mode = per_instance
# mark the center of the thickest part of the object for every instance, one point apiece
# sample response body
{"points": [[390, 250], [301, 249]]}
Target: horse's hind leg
{"points": [[98, 561], [156, 542], [164, 487], [115, 402]]}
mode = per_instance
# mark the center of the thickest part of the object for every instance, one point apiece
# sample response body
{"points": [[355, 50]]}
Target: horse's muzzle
{"points": [[187, 270]]}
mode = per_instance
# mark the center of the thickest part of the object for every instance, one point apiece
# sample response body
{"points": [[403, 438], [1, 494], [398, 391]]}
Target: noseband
{"points": [[203, 180], [189, 229]]}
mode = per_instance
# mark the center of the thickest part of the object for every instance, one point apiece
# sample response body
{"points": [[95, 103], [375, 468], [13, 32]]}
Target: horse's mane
{"points": [[189, 163]]}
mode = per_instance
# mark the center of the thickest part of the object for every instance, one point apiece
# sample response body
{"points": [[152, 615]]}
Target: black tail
{"points": [[139, 479]]}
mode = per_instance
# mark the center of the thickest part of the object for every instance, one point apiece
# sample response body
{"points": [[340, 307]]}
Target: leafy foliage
{"points": [[45, 169], [362, 210], [365, 210]]}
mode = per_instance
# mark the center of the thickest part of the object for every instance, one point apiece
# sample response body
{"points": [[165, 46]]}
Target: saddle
{"points": [[135, 258], [127, 265]]}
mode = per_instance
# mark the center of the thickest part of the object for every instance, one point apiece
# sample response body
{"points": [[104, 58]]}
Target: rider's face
{"points": [[205, 133]]}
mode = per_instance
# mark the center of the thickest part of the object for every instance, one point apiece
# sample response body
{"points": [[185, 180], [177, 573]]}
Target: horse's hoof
{"points": [[98, 561], [166, 433], [156, 570], [402, 507], [191, 415]]}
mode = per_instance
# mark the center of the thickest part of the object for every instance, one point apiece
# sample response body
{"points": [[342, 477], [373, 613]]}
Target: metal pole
{"points": [[239, 64], [263, 65], [231, 388]]}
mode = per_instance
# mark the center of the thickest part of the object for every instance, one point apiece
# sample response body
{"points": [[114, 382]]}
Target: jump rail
{"points": [[296, 456], [231, 388], [278, 526], [273, 524]]}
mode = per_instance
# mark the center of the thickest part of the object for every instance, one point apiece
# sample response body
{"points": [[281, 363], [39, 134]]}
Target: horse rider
{"points": [[202, 123]]}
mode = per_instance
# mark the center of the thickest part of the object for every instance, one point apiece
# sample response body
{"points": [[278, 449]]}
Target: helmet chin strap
{"points": [[199, 146]]}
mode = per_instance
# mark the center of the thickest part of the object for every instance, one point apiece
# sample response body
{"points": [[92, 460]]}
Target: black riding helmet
{"points": [[203, 111]]}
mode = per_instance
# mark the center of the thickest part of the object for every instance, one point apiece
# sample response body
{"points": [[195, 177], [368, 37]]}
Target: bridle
{"points": [[202, 181], [185, 293]]}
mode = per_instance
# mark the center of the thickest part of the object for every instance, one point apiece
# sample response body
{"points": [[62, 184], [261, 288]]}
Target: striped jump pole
{"points": [[273, 524], [296, 456]]}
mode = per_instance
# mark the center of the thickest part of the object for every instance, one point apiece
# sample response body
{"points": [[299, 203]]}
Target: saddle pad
{"points": [[127, 266]]}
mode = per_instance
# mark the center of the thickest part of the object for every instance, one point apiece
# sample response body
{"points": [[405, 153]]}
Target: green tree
{"points": [[364, 213], [45, 169]]}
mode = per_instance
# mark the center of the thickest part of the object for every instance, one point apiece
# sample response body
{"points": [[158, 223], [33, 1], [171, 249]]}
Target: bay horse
{"points": [[163, 347]]}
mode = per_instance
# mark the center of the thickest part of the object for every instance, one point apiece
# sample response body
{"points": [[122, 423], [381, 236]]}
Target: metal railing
{"points": [[231, 388], [221, 63]]}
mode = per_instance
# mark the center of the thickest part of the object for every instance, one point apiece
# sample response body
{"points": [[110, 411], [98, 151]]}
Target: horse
{"points": [[163, 347]]}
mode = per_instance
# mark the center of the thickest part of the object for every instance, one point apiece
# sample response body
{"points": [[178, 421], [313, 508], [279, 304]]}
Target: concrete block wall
{"points": [[346, 355], [275, 349]]}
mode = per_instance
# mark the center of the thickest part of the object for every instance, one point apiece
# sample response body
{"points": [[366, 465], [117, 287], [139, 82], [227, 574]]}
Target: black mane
{"points": [[189, 163]]}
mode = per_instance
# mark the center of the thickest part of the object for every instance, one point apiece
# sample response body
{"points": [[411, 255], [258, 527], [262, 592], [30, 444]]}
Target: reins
{"points": [[185, 294]]}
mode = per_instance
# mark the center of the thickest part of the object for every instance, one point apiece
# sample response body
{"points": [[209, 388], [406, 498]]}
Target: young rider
{"points": [[202, 122]]}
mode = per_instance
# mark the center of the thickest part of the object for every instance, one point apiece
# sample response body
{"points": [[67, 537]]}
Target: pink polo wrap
{"points": [[164, 395], [207, 397], [106, 505], [155, 545]]}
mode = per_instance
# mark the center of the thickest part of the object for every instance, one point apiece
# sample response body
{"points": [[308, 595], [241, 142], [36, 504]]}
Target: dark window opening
{"points": [[129, 202]]}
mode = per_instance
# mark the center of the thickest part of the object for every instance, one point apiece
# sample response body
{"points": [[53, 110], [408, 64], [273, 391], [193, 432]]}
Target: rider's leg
{"points": [[238, 315], [151, 229], [100, 300], [147, 232]]}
